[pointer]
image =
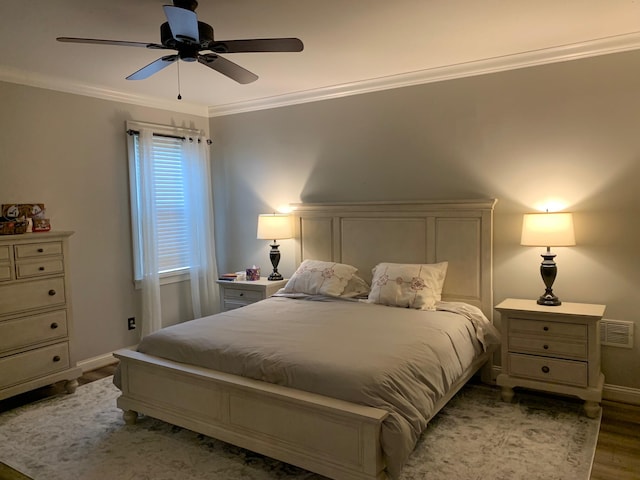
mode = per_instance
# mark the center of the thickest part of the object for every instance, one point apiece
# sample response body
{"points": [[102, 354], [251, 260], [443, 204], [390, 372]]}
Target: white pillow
{"points": [[408, 285], [315, 277], [357, 287]]}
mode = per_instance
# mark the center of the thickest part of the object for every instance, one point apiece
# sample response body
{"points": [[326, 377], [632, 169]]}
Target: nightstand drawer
{"points": [[46, 266], [552, 346], [34, 363], [243, 295], [565, 372], [542, 327]]}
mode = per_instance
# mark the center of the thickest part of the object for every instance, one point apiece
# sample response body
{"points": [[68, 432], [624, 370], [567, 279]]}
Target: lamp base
{"points": [[549, 299], [275, 276], [274, 256], [548, 271]]}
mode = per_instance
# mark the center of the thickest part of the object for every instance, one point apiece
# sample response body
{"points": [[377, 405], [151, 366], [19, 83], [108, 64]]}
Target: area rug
{"points": [[476, 436]]}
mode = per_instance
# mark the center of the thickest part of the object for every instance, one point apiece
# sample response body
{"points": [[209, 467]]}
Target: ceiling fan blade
{"points": [[257, 45], [183, 24], [153, 67], [228, 68], [110, 42]]}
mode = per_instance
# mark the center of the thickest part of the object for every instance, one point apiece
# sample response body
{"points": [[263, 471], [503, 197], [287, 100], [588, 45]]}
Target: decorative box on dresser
{"points": [[240, 293], [35, 313], [555, 349]]}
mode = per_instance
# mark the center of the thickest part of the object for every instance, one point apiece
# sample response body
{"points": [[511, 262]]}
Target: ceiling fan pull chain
{"points": [[179, 96]]}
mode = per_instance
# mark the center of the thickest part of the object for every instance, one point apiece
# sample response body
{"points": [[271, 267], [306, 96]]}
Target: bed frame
{"points": [[337, 439]]}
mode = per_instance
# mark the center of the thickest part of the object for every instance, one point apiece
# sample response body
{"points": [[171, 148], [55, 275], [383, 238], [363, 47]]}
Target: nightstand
{"points": [[554, 349], [240, 293]]}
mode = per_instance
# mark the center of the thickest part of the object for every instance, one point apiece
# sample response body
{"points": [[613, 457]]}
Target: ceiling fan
{"points": [[193, 40]]}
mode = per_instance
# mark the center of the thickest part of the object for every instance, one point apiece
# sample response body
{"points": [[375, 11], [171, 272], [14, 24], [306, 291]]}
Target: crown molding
{"points": [[562, 53], [58, 84]]}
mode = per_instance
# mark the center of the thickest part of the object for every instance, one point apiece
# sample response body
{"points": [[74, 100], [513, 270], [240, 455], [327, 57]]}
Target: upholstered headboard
{"points": [[365, 234]]}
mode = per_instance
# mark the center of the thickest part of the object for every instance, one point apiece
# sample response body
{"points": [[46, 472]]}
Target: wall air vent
{"points": [[616, 333]]}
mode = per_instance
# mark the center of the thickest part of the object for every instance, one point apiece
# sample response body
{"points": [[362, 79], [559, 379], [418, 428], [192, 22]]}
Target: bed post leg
{"points": [[130, 417]]}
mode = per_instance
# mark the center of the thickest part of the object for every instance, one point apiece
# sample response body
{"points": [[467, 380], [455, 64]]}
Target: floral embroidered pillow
{"points": [[315, 277], [408, 285]]}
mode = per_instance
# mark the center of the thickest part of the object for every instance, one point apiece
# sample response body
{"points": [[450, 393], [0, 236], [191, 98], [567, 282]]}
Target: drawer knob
{"points": [[242, 294], [56, 358], [52, 292], [54, 325], [41, 250], [546, 329], [546, 347], [545, 369], [41, 269]]}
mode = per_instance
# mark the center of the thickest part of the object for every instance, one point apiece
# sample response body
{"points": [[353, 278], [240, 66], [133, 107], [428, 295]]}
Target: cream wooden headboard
{"points": [[365, 234]]}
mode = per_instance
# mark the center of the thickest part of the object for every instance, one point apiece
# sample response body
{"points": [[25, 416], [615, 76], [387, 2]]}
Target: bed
{"points": [[322, 420]]}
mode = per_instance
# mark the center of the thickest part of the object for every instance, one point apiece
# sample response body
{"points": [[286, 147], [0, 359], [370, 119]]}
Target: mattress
{"points": [[397, 359]]}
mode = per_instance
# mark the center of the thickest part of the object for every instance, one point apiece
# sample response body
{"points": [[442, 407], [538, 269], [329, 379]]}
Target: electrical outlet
{"points": [[131, 323]]}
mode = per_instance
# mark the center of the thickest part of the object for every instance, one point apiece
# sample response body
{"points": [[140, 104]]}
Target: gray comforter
{"points": [[396, 359]]}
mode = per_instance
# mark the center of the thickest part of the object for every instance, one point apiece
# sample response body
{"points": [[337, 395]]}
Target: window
{"points": [[171, 217], [169, 188]]}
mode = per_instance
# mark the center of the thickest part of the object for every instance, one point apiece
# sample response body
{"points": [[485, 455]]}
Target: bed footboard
{"points": [[338, 439]]}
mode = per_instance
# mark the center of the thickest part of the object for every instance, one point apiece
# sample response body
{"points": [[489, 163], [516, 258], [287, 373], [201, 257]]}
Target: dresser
{"points": [[35, 313], [554, 349], [240, 293]]}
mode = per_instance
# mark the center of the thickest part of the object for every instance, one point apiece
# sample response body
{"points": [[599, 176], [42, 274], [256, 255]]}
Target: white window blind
{"points": [[171, 215], [170, 204]]}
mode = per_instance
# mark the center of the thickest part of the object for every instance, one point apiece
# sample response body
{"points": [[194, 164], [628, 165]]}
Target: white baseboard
{"points": [[98, 362], [616, 393], [613, 393]]}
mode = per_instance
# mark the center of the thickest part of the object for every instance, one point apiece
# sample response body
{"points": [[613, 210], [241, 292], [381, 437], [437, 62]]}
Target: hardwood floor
{"points": [[618, 451], [617, 454]]}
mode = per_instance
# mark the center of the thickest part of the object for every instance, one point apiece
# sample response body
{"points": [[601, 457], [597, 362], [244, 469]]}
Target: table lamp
{"points": [[274, 226], [548, 230]]}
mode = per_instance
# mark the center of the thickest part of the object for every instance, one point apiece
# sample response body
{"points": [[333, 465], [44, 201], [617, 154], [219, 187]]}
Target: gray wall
{"points": [[69, 152], [568, 132]]}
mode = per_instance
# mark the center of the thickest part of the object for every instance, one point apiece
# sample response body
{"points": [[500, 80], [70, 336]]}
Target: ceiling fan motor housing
{"points": [[186, 4], [188, 51]]}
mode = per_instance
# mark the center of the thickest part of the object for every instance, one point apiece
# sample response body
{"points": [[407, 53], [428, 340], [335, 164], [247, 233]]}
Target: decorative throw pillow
{"points": [[315, 277], [408, 285]]}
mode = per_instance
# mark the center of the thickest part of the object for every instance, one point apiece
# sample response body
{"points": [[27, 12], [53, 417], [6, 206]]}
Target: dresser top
{"points": [[566, 308], [35, 236]]}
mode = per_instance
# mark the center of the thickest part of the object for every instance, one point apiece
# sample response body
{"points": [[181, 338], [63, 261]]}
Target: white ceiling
{"points": [[351, 46]]}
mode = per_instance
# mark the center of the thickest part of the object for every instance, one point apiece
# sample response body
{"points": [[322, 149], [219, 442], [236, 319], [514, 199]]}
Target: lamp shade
{"points": [[548, 230], [274, 226]]}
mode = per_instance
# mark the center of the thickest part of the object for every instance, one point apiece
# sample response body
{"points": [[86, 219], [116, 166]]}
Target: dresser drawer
{"points": [[46, 266], [33, 364], [18, 297], [245, 296], [541, 327], [5, 264], [25, 331], [551, 346], [548, 369], [5, 272], [32, 250]]}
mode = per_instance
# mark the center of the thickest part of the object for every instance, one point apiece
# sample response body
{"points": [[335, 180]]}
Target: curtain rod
{"points": [[137, 132]]}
